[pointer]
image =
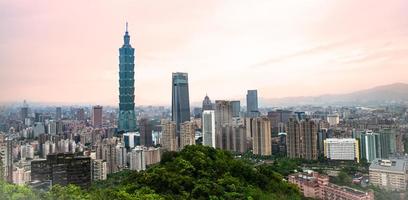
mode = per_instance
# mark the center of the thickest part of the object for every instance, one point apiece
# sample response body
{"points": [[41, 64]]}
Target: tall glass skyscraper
{"points": [[252, 103], [180, 104], [127, 118]]}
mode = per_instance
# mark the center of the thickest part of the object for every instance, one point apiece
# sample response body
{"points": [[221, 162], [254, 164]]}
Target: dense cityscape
{"points": [[215, 99], [334, 152]]}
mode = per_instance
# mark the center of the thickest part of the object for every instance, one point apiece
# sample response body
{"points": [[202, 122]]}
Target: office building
{"points": [[24, 112], [342, 149], [169, 140], [389, 174], [261, 131], [369, 145], [208, 128], [180, 103], [127, 116], [252, 103], [99, 170], [236, 108], [146, 129], [62, 169], [187, 134], [131, 139], [207, 104], [97, 116], [58, 113]]}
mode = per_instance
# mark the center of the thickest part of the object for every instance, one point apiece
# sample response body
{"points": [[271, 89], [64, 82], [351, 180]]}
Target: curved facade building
{"points": [[127, 117]]}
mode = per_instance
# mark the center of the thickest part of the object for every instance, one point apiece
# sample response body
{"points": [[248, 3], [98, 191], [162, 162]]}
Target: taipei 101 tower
{"points": [[127, 117]]}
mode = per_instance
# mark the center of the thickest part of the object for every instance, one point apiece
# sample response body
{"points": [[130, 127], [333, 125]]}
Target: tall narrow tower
{"points": [[127, 118], [180, 104]]}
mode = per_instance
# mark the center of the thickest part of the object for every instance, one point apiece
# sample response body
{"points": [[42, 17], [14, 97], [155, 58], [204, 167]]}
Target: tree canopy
{"points": [[196, 172]]}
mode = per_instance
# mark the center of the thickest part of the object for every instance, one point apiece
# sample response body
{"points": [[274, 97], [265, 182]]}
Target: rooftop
{"points": [[393, 165]]}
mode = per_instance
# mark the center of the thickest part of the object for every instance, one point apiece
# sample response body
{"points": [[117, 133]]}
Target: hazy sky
{"points": [[67, 51]]}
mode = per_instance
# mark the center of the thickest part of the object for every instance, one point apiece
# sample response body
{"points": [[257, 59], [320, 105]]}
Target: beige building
{"points": [[234, 138], [223, 116], [187, 134], [168, 139], [301, 139], [152, 155], [261, 131], [389, 174]]}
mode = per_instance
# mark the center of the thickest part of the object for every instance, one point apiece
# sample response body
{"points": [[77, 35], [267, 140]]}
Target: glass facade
{"points": [[180, 105], [127, 118]]}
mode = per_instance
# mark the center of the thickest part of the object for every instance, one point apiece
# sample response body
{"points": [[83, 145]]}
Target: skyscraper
{"points": [[209, 128], [180, 104], [58, 113], [207, 105], [127, 117], [146, 129], [236, 108], [370, 146], [24, 112], [97, 116], [252, 103]]}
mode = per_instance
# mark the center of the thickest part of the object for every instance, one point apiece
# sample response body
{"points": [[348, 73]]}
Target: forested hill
{"points": [[197, 172]]}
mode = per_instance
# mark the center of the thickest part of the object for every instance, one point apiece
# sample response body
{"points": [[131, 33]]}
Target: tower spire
{"points": [[126, 26]]}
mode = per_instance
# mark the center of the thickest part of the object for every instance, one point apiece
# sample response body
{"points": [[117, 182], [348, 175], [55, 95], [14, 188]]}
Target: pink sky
{"points": [[67, 51]]}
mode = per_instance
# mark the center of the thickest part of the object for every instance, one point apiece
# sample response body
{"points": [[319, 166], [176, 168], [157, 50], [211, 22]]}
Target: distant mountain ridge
{"points": [[396, 92]]}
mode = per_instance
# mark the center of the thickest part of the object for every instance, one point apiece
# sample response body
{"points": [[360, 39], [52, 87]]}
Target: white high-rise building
{"points": [[341, 149], [45, 149], [99, 169], [131, 139], [52, 127], [333, 119], [121, 155], [26, 151], [137, 159], [63, 146], [38, 129], [208, 128]]}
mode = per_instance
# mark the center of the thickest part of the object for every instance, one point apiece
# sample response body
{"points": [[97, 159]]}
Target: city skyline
{"points": [[334, 48]]}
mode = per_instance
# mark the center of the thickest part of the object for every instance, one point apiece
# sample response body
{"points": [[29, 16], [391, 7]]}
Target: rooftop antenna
{"points": [[126, 26]]}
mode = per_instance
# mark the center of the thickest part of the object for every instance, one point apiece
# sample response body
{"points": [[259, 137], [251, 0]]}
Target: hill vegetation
{"points": [[197, 172]]}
